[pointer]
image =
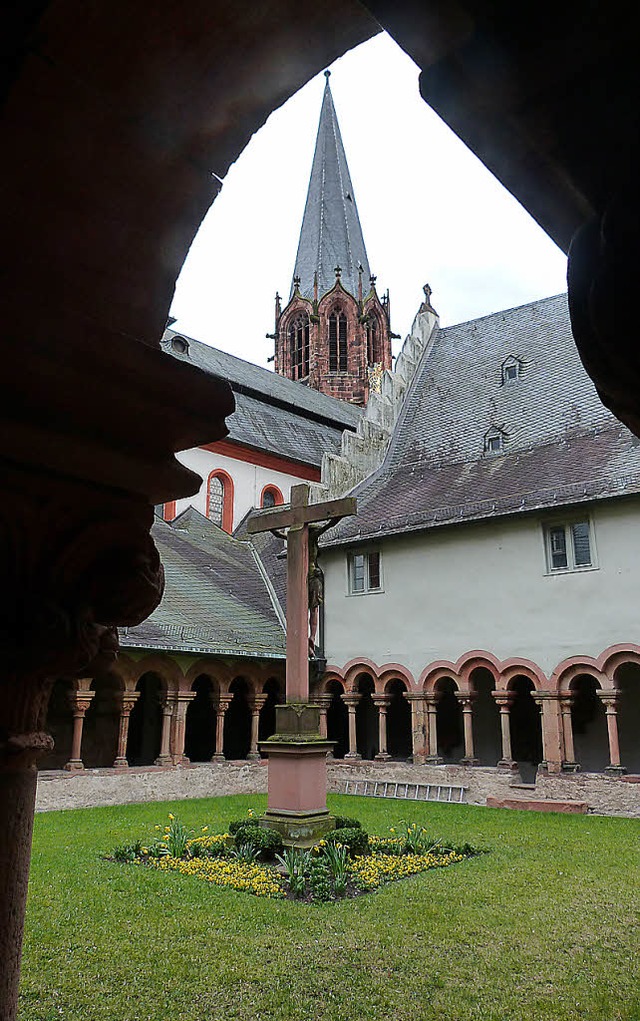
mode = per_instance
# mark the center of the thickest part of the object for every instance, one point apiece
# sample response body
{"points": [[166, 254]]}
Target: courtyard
{"points": [[543, 927]]}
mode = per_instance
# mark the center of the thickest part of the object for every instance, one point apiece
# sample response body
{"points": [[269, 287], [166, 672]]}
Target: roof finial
{"points": [[327, 75], [338, 271], [296, 283]]}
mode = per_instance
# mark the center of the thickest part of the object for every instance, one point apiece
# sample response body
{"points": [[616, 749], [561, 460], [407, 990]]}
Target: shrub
{"points": [[354, 838], [343, 822], [320, 882], [128, 852], [268, 842]]}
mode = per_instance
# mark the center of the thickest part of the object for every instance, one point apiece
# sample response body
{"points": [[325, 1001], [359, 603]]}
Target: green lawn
{"points": [[545, 927]]}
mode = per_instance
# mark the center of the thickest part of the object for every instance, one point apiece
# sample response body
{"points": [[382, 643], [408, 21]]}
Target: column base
{"points": [[219, 757], [352, 756], [469, 760], [120, 764], [507, 766], [382, 757], [570, 767], [254, 757], [615, 770], [74, 766], [433, 760], [549, 768], [163, 760], [299, 829]]}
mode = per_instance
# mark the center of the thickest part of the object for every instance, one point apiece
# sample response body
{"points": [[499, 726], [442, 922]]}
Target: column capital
{"points": [[503, 698], [323, 700], [351, 698], [223, 702], [79, 701], [414, 696], [128, 700], [465, 698], [432, 698], [381, 701], [256, 702]]}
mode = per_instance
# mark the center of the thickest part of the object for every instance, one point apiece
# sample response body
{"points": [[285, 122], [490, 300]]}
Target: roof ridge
{"points": [[503, 311]]}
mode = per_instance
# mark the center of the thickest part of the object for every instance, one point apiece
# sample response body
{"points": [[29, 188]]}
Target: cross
{"points": [[296, 518]]}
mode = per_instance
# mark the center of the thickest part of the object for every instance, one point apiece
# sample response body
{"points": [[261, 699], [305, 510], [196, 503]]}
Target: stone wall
{"points": [[604, 795]]}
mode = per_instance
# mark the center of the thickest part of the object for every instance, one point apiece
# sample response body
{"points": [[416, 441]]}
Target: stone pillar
{"points": [[323, 702], [224, 701], [465, 699], [504, 700], [382, 703], [432, 756], [129, 698], [416, 700], [168, 705], [551, 722], [351, 700], [609, 698], [80, 702], [569, 764], [256, 703], [182, 701]]}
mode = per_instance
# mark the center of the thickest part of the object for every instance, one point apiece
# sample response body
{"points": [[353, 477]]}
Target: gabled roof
{"points": [[273, 414], [561, 445], [216, 598], [331, 234]]}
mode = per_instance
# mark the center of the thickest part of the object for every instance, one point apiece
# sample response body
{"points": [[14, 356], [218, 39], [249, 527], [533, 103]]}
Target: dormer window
{"points": [[511, 370], [494, 441], [180, 345]]}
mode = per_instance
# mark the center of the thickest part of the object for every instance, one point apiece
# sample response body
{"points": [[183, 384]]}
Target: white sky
{"points": [[430, 213]]}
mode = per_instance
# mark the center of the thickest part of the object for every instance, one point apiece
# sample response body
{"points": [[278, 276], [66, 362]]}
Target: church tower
{"points": [[334, 334]]}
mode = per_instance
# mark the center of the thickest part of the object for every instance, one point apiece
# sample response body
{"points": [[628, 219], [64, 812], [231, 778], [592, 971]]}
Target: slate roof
{"points": [[331, 234], [217, 600], [561, 446], [273, 414]]}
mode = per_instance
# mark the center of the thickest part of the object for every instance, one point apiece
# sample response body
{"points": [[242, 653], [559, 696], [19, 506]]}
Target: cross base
{"points": [[299, 829]]}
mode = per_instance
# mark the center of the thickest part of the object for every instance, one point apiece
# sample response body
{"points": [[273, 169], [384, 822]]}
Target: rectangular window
{"points": [[364, 572], [569, 546]]}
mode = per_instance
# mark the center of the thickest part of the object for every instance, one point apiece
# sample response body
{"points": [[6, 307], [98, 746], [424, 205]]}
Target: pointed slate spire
{"points": [[331, 234]]}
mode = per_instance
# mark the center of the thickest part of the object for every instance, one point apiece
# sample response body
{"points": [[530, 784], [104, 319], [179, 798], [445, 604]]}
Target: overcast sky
{"points": [[430, 213]]}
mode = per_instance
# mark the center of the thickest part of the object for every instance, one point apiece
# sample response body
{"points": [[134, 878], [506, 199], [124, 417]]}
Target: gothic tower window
{"points": [[373, 343], [337, 342], [299, 346]]}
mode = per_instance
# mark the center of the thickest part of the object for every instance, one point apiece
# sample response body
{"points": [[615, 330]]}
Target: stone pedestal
{"points": [[297, 798]]}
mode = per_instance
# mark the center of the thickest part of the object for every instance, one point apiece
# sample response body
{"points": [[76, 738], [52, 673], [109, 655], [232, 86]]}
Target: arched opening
{"points": [[366, 718], [299, 346], [219, 508], [145, 724], [59, 725], [588, 720], [487, 740], [200, 727], [237, 721], [449, 721], [526, 728], [271, 497], [399, 743], [267, 725], [337, 342], [101, 722], [628, 682], [374, 354], [337, 720]]}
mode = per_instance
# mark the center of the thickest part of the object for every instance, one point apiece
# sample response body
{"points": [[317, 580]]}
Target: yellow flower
{"points": [[172, 817]]}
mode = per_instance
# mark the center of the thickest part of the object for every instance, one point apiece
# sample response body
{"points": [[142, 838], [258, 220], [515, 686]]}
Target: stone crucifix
{"points": [[301, 520]]}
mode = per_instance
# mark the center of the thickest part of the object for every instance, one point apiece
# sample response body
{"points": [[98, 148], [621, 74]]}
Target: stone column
{"points": [[224, 701], [168, 705], [609, 698], [129, 698], [551, 723], [80, 702], [432, 756], [569, 764], [416, 700], [182, 701], [256, 703], [504, 700], [465, 699], [351, 700], [323, 702], [382, 703]]}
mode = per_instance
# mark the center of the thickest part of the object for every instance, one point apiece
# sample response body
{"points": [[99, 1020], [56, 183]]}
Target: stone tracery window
{"points": [[337, 342], [373, 342], [298, 333]]}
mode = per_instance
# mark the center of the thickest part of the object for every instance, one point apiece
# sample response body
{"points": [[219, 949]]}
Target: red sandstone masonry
{"points": [[568, 807]]}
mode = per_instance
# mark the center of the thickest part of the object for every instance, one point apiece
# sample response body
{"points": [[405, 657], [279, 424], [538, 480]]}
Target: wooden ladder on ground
{"points": [[404, 791]]}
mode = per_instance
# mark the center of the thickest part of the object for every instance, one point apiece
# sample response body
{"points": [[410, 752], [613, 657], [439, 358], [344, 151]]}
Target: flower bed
{"points": [[251, 858]]}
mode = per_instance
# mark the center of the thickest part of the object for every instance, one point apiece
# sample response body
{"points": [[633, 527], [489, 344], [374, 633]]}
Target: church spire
{"points": [[331, 234]]}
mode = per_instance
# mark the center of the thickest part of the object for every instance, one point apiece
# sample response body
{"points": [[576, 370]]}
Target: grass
{"points": [[544, 928]]}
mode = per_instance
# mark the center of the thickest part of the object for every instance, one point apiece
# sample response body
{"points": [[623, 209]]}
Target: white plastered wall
{"points": [[485, 586], [248, 481]]}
